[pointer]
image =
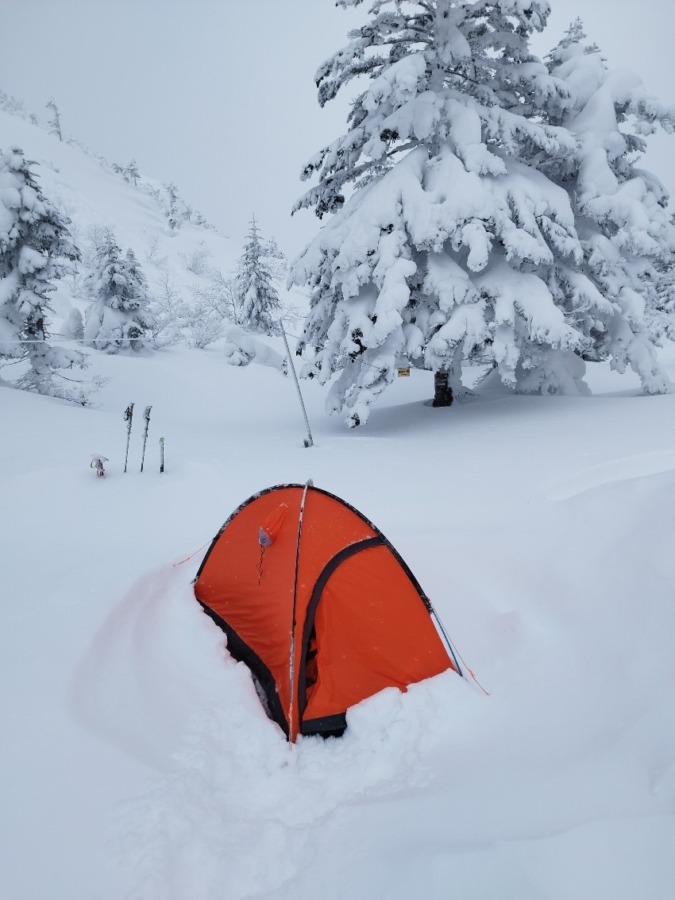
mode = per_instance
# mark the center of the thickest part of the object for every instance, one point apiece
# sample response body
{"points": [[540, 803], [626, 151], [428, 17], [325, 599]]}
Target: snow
{"points": [[31, 261], [136, 762], [132, 736]]}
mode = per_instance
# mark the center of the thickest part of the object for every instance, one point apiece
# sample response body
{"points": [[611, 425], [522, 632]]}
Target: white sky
{"points": [[218, 95]]}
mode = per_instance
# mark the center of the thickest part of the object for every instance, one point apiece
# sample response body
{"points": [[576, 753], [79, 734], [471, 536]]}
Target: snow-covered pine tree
{"points": [[131, 173], [172, 212], [35, 249], [258, 299], [54, 121], [445, 233], [625, 228], [118, 318], [664, 325], [137, 286]]}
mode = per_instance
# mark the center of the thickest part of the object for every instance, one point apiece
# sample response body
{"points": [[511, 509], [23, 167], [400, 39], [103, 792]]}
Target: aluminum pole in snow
{"points": [[308, 442]]}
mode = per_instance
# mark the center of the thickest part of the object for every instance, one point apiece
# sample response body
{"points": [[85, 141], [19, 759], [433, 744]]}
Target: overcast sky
{"points": [[218, 95]]}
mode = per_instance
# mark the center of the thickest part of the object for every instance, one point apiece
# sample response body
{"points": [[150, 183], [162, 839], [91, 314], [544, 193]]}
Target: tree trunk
{"points": [[442, 390]]}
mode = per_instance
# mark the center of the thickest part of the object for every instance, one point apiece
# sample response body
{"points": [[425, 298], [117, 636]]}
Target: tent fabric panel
{"points": [[309, 644], [328, 526], [253, 593], [373, 631]]}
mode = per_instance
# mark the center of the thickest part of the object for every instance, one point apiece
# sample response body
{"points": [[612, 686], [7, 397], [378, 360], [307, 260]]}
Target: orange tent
{"points": [[319, 605]]}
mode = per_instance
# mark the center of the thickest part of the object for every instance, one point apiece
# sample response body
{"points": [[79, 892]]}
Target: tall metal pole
{"points": [[308, 442]]}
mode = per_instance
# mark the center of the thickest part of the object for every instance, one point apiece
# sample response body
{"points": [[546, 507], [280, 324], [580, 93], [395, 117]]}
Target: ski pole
{"points": [[161, 455], [146, 416], [128, 417]]}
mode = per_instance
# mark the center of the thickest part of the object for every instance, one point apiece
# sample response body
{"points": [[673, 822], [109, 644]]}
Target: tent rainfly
{"points": [[319, 605]]}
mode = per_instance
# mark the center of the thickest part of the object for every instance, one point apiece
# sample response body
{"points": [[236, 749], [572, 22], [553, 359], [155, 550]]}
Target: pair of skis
{"points": [[129, 418]]}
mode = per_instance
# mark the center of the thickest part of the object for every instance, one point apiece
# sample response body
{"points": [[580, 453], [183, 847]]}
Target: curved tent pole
{"points": [[292, 705]]}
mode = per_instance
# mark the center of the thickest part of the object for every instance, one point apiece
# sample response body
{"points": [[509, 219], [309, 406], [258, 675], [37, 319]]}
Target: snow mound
{"points": [[622, 469], [242, 348], [158, 683]]}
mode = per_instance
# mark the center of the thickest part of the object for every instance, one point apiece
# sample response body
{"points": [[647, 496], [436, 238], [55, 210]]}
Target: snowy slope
{"points": [[95, 197], [136, 761]]}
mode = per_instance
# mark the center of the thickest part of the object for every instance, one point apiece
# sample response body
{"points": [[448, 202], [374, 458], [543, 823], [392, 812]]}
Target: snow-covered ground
{"points": [[136, 761]]}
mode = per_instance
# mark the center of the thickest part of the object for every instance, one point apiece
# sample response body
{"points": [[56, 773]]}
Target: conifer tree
{"points": [[446, 237], [172, 213], [626, 230], [35, 250], [664, 320], [54, 122], [118, 318], [258, 300], [131, 172]]}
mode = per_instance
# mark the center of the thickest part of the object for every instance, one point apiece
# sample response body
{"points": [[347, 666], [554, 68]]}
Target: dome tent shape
{"points": [[319, 605]]}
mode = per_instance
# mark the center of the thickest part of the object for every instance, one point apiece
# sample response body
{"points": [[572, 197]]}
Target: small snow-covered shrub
{"points": [[242, 348], [73, 326]]}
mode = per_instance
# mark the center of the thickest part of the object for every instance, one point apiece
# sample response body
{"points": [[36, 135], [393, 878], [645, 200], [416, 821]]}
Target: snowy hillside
{"points": [[94, 195], [136, 761], [187, 265]]}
